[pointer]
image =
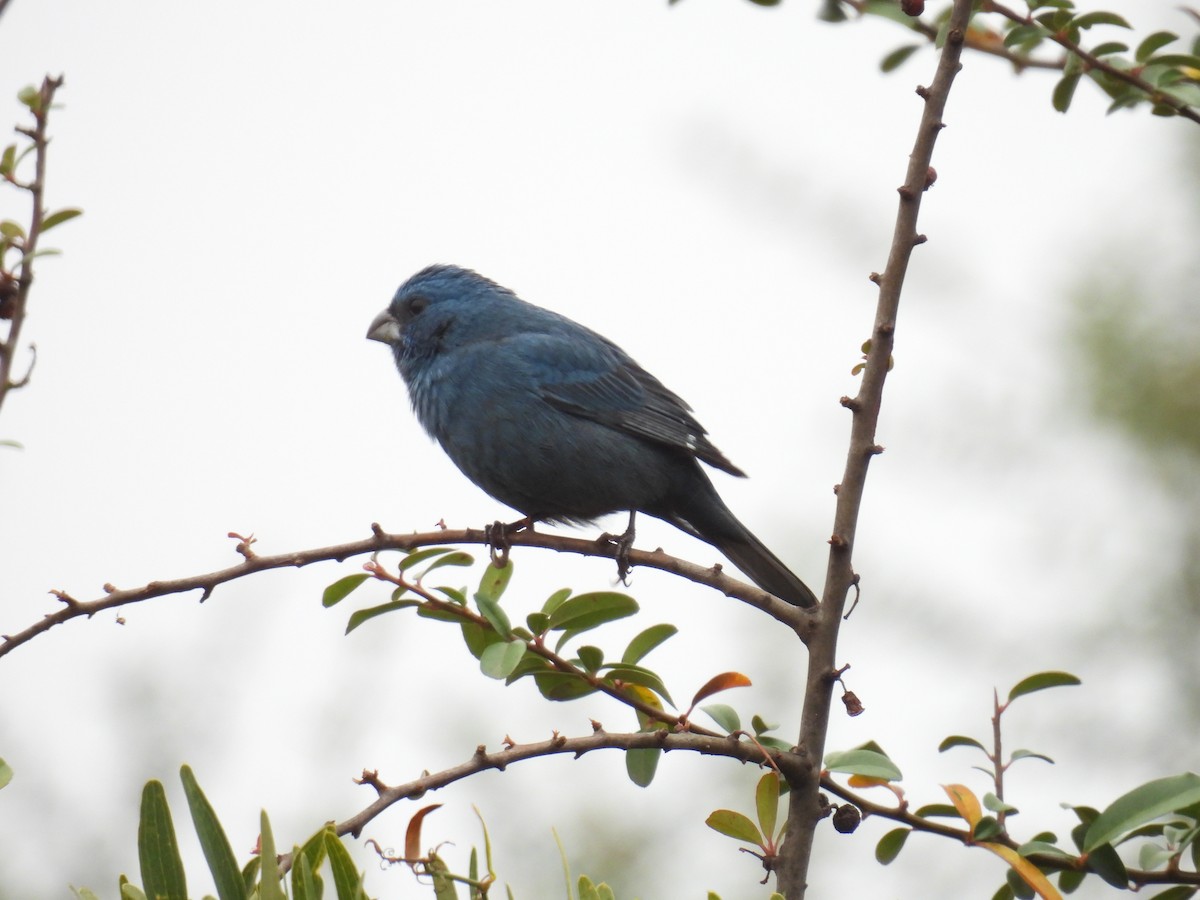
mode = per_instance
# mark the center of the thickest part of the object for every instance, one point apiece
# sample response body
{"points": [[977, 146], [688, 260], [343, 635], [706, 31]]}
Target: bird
{"points": [[557, 422]]}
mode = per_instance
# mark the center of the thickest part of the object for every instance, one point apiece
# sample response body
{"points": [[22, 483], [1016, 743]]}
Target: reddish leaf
{"points": [[412, 838], [718, 683]]}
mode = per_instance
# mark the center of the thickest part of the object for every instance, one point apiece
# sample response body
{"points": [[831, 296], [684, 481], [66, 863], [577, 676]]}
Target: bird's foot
{"points": [[624, 543], [498, 543]]}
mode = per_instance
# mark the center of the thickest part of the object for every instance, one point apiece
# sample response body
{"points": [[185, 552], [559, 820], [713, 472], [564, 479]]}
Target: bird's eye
{"points": [[417, 305]]}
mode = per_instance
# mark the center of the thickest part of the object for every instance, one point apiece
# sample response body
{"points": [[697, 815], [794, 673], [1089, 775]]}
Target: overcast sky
{"points": [[709, 185]]}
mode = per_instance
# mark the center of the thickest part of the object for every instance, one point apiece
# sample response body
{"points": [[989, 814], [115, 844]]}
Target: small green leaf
{"points": [[555, 600], [158, 853], [996, 805], [766, 802], [269, 887], [362, 615], [986, 829], [898, 57], [57, 218], [31, 97], [342, 588], [1154, 42], [8, 160], [346, 878], [646, 641], [1185, 60], [1087, 20], [1179, 892], [890, 845], [1040, 682], [457, 558], [562, 686], [218, 852], [760, 725], [538, 622], [6, 773], [416, 557], [494, 582], [958, 740], [1031, 847], [1064, 92], [1143, 803], [641, 763], [1023, 34], [735, 825], [868, 763], [1029, 754], [638, 675], [501, 659], [1109, 47], [725, 716], [1069, 880], [11, 230], [1105, 862], [496, 616], [937, 809], [592, 658]]}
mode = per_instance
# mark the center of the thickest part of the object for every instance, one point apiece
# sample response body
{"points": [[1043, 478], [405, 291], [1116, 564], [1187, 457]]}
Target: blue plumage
{"points": [[556, 421]]}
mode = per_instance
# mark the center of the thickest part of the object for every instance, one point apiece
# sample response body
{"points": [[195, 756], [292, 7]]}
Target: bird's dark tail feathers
{"points": [[700, 511]]}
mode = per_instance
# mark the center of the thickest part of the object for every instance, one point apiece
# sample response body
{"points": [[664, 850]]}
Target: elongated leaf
{"points": [[1040, 682], [863, 762], [158, 853], [457, 558], [718, 683], [1029, 873], [958, 740], [1153, 43], [1149, 801], [637, 675], [562, 686], [965, 802], [342, 588], [269, 886], [586, 611], [412, 836], [217, 850], [494, 582], [1087, 20], [346, 879], [6, 773], [735, 825], [362, 615], [57, 218], [766, 802], [306, 884], [898, 57], [416, 557], [495, 614], [1064, 92], [646, 641], [555, 600]]}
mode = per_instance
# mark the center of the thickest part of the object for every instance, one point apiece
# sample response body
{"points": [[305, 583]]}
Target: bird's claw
{"points": [[498, 543], [623, 543]]}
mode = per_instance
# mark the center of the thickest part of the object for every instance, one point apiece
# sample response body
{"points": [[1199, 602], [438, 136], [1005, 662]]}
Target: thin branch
{"points": [[805, 809], [16, 287], [798, 619]]}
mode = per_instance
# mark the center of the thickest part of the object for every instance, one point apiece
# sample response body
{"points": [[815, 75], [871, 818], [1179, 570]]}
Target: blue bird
{"points": [[557, 422]]}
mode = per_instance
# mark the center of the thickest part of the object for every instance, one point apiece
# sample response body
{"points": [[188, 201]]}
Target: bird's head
{"points": [[440, 306]]}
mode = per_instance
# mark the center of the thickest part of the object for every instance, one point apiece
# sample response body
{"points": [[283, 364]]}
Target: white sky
{"points": [[710, 186]]}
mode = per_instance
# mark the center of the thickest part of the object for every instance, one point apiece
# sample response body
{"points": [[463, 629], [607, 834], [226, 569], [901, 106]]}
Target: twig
{"points": [[805, 809], [16, 303], [798, 619]]}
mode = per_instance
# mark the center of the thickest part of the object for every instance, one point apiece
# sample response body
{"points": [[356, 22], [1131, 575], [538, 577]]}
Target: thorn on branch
{"points": [[854, 583], [377, 530], [371, 778], [66, 598], [922, 92], [851, 403], [597, 728], [838, 542], [875, 278], [919, 239], [876, 449]]}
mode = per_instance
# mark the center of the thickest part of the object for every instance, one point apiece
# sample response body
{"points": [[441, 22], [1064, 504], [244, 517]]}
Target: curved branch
{"points": [[796, 618]]}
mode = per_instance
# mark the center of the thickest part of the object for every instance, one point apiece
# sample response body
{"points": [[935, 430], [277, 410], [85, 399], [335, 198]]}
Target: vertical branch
{"points": [[14, 288], [806, 809]]}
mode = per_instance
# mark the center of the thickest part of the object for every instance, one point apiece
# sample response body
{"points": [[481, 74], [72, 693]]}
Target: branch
{"points": [[730, 747], [805, 808], [14, 289], [798, 619]]}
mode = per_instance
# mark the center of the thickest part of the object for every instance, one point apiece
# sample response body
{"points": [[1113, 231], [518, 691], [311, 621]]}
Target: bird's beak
{"points": [[384, 329]]}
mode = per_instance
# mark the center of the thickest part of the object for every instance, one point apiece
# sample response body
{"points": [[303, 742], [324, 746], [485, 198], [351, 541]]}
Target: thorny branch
{"points": [[713, 576]]}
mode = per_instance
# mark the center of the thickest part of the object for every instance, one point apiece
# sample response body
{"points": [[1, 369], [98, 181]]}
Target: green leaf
{"points": [[57, 218], [457, 558], [416, 557], [1069, 880], [1143, 803], [888, 10], [937, 809], [1185, 60], [8, 160], [494, 582], [898, 57], [637, 675], [868, 763], [495, 615], [269, 887], [641, 763], [958, 740], [725, 716], [831, 11], [6, 773], [1179, 892], [342, 588], [1023, 34], [217, 850], [1105, 862], [306, 884], [986, 829], [1109, 47], [1064, 92], [996, 805], [1154, 42], [591, 658], [735, 825], [31, 97], [362, 615], [158, 853], [555, 600], [346, 880], [1029, 754], [1042, 680], [501, 659], [1087, 20], [586, 611], [10, 229], [1045, 849], [890, 845], [562, 686], [646, 641], [766, 802], [538, 622]]}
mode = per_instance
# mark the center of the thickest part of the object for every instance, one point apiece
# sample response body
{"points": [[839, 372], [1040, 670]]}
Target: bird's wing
{"points": [[601, 383]]}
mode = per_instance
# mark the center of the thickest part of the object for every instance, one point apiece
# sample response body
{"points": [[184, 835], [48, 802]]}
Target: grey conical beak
{"points": [[384, 329]]}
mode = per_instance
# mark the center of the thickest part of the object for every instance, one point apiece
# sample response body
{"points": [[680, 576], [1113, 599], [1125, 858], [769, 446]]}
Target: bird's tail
{"points": [[706, 516]]}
